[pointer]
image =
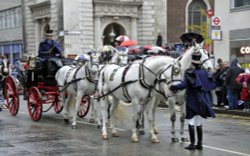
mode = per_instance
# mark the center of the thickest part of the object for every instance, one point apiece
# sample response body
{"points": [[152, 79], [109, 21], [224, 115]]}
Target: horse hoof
{"points": [[99, 126], [74, 127], [92, 121], [115, 134], [184, 140], [175, 140], [66, 121], [141, 132], [155, 140], [105, 137], [135, 139]]}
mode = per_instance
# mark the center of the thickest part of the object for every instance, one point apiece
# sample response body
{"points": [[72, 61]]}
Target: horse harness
{"points": [[74, 80], [123, 83], [141, 81]]}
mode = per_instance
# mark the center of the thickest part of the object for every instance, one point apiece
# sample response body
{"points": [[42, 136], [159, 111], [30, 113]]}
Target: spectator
{"points": [[224, 87], [244, 79], [233, 89], [220, 70], [198, 83], [159, 40]]}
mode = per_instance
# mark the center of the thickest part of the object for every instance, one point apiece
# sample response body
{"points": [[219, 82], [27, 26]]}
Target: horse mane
{"points": [[186, 58]]}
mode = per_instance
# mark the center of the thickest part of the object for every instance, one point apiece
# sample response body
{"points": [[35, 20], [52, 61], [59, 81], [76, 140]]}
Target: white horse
{"points": [[5, 69], [184, 60], [133, 83], [120, 57], [76, 81]]}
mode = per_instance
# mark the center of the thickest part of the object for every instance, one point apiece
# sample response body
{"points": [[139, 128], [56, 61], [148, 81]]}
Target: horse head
{"points": [[171, 75], [122, 57], [95, 57], [205, 59], [5, 70], [94, 63], [206, 62]]}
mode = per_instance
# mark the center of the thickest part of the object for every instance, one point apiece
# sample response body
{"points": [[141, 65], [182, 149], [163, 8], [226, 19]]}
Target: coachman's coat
{"points": [[198, 84]]}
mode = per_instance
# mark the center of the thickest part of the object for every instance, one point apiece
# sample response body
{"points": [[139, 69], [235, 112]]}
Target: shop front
{"points": [[241, 51], [12, 51]]}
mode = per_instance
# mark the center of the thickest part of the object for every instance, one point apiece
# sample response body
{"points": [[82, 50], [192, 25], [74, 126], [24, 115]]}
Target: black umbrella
{"points": [[190, 37]]}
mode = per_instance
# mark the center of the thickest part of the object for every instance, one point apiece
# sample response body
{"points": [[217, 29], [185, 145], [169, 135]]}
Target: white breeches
{"points": [[195, 121]]}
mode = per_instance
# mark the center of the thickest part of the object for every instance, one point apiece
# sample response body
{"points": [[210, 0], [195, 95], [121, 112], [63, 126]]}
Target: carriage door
{"points": [[112, 31]]}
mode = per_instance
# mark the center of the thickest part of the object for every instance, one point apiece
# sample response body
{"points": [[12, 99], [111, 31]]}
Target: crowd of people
{"points": [[230, 93]]}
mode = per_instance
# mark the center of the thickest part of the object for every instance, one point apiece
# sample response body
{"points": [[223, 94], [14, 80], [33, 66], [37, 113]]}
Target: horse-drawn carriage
{"points": [[39, 85]]}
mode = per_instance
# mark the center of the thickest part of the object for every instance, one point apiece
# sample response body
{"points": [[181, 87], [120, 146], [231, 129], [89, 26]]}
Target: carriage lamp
{"points": [[112, 36], [32, 62]]}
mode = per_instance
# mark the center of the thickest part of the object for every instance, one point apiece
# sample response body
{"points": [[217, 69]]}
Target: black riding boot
{"points": [[199, 135], [192, 138]]}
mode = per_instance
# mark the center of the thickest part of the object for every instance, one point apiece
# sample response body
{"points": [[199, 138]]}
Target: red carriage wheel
{"points": [[11, 95], [58, 105], [84, 106], [34, 104]]}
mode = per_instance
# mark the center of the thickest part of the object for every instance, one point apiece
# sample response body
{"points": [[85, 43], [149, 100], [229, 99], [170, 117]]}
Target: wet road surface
{"points": [[224, 136]]}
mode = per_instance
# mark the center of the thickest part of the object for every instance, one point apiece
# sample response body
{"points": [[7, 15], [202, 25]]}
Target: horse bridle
{"points": [[208, 59], [174, 71]]}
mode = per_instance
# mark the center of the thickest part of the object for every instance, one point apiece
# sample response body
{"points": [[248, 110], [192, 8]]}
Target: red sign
{"points": [[209, 13], [216, 21]]}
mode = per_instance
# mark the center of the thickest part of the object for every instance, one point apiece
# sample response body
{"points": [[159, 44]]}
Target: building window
{"points": [[240, 3], [196, 14], [10, 18]]}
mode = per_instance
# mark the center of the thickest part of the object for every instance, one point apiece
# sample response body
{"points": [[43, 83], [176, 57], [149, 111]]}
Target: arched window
{"points": [[196, 13]]}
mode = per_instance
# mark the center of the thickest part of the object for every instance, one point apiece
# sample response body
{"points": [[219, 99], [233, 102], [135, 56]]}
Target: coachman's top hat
{"points": [[49, 32], [196, 58]]}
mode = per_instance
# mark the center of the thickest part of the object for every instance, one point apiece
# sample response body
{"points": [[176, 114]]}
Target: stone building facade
{"points": [[82, 25], [11, 40]]}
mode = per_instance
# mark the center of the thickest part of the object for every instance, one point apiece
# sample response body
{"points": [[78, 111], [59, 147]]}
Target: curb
{"points": [[231, 112], [219, 111]]}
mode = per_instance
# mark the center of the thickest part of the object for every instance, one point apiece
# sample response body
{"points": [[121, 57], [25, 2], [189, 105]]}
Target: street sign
{"points": [[216, 21], [216, 35], [210, 13]]}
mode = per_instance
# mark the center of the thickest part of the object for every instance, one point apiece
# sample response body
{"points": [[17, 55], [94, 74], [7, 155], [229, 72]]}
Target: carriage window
{"points": [[196, 13]]}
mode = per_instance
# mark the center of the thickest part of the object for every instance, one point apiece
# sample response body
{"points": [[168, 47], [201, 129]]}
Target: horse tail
{"points": [[119, 114], [72, 102]]}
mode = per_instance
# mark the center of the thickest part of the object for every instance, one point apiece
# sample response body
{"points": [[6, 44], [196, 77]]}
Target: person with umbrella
{"points": [[188, 39]]}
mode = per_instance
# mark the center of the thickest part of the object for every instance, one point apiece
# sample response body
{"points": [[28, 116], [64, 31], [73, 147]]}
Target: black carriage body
{"points": [[35, 75]]}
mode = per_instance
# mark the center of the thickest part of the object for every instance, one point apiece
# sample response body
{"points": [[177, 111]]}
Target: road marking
{"points": [[224, 150]]}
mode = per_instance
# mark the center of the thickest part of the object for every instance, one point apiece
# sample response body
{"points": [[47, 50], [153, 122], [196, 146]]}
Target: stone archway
{"points": [[117, 30]]}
